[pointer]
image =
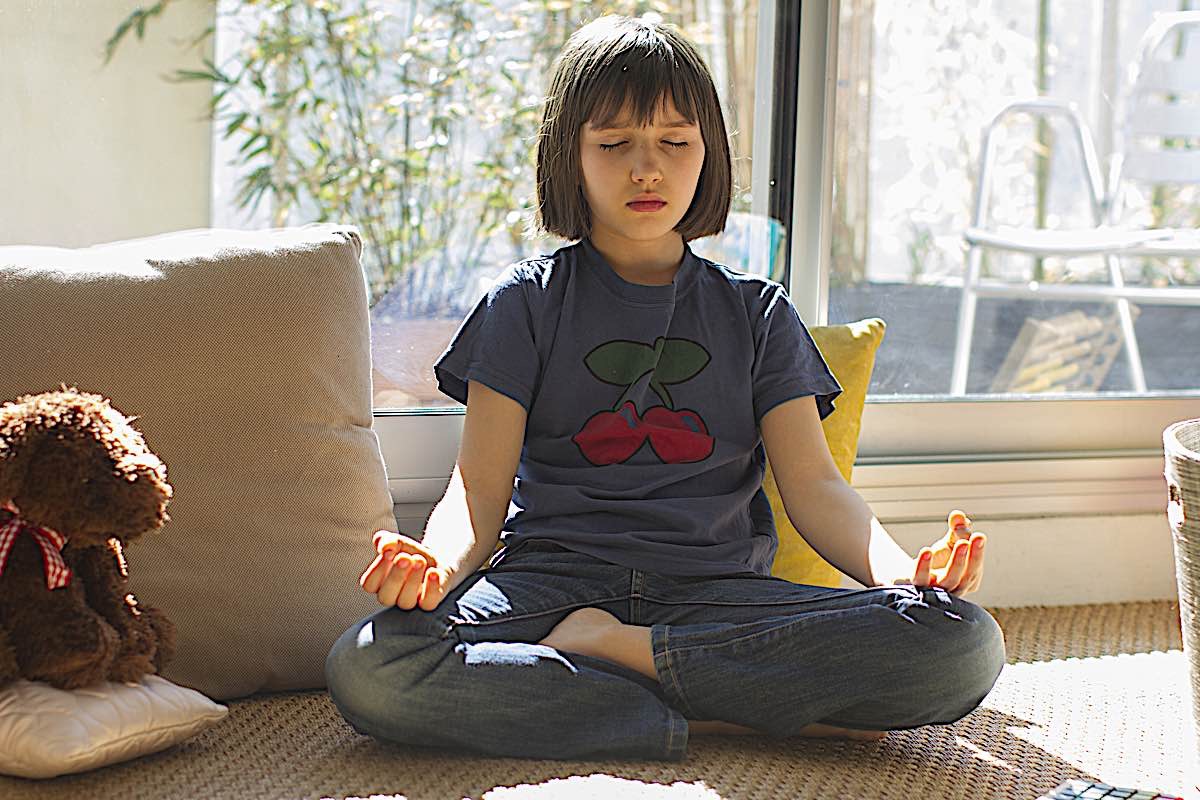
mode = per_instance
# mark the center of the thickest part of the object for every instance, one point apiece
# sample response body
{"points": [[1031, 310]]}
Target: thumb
{"points": [[382, 540], [433, 589]]}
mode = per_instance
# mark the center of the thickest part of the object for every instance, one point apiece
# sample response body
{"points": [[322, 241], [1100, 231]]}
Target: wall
{"points": [[1064, 560], [94, 153]]}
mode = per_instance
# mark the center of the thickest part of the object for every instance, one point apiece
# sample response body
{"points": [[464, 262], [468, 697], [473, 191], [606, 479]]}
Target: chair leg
{"points": [[1132, 351], [966, 323]]}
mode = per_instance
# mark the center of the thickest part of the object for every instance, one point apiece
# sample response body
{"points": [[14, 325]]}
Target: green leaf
{"points": [[186, 75], [250, 141], [235, 123], [219, 96], [215, 71], [209, 31], [260, 150], [620, 363], [137, 18], [682, 359]]}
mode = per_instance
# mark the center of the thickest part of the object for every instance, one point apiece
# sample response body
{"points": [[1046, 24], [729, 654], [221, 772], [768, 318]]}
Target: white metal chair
{"points": [[1162, 103]]}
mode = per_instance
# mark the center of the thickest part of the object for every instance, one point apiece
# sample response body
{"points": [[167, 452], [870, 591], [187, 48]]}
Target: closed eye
{"points": [[618, 144]]}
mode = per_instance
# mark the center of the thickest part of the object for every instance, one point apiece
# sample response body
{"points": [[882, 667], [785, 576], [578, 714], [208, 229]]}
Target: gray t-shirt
{"points": [[642, 443]]}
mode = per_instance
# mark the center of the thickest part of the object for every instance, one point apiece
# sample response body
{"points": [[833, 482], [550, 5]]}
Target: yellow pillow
{"points": [[850, 352]]}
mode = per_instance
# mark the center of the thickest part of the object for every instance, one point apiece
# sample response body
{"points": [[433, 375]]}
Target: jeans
{"points": [[749, 649]]}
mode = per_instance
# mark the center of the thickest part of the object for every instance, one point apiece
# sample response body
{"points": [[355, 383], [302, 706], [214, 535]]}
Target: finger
{"points": [[975, 559], [977, 547], [964, 549], [966, 588], [975, 570], [382, 571], [383, 539], [959, 527], [958, 568], [434, 589], [407, 598], [921, 578], [373, 576], [394, 582], [403, 544]]}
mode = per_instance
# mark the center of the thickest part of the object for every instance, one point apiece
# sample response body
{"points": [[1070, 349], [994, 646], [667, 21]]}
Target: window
{"points": [[917, 83], [115, 177], [415, 120]]}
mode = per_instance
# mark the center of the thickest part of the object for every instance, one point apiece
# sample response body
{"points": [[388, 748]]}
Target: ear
{"points": [[12, 456], [144, 500]]}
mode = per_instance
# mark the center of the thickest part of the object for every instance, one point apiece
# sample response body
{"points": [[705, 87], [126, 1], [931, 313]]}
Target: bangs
{"points": [[632, 86]]}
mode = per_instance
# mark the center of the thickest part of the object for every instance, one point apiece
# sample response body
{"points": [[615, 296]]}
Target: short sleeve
{"points": [[494, 345], [787, 363]]}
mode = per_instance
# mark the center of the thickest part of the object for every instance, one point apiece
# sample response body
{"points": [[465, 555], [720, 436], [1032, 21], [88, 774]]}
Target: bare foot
{"points": [[819, 731], [816, 730], [597, 633], [581, 631], [717, 726]]}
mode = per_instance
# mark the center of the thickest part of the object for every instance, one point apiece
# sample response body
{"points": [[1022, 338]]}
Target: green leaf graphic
{"points": [[681, 360], [620, 363], [662, 393]]}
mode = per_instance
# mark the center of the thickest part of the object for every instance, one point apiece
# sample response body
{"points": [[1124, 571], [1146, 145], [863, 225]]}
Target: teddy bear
{"points": [[77, 484]]}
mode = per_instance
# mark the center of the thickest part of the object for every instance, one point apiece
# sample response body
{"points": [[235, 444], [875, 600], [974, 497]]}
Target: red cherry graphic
{"points": [[610, 437], [678, 437]]}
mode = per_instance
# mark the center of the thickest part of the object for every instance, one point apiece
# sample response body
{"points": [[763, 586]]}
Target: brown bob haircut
{"points": [[606, 65]]}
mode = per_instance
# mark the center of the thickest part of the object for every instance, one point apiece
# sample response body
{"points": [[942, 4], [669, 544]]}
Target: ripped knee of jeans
{"points": [[905, 598]]}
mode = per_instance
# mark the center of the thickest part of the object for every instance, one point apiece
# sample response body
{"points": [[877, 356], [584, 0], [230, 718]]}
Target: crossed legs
{"points": [[594, 632]]}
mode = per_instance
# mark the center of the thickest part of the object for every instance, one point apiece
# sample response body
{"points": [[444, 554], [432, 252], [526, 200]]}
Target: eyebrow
{"points": [[679, 123]]}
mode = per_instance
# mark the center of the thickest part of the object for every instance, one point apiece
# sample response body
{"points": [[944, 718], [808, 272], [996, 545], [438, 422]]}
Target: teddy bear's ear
{"points": [[11, 456], [142, 505]]}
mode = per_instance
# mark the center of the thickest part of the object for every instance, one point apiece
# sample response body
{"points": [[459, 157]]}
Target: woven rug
{"points": [[1093, 692]]}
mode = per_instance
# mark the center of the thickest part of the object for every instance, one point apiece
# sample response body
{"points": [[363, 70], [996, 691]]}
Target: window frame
{"points": [[1118, 430], [918, 456]]}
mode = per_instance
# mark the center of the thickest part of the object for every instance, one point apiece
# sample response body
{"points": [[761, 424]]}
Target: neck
{"points": [[653, 263]]}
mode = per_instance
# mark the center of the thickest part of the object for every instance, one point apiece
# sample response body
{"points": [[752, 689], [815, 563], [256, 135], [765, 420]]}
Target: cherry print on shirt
{"points": [[610, 437], [677, 436]]}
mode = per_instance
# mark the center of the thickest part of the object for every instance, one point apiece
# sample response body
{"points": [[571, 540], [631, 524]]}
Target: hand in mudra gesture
{"points": [[405, 573], [954, 562]]}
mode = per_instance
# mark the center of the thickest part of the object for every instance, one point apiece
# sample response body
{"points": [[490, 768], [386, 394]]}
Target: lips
{"points": [[646, 205]]}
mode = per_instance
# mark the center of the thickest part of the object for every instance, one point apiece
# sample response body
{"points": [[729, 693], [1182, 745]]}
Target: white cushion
{"points": [[45, 732]]}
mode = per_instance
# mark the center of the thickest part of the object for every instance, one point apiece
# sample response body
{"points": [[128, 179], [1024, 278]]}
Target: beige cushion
{"points": [[245, 356]]}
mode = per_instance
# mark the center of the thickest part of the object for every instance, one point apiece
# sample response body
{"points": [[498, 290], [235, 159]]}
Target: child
{"points": [[619, 394]]}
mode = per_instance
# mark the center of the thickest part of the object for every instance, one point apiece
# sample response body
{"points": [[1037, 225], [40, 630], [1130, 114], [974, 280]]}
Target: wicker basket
{"points": [[1181, 442]]}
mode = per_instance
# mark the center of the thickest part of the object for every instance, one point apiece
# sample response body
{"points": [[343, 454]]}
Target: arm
{"points": [[832, 516], [465, 525]]}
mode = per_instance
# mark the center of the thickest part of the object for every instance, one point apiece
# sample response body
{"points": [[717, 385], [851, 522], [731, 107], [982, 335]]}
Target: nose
{"points": [[646, 165]]}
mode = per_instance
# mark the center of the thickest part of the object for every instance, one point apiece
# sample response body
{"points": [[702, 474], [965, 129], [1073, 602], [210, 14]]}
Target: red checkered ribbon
{"points": [[58, 574]]}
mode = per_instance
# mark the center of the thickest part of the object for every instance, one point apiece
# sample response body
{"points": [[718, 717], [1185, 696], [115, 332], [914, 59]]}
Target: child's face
{"points": [[623, 163]]}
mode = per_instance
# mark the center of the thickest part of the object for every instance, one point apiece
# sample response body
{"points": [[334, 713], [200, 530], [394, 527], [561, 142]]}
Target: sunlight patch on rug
{"points": [[599, 786], [1110, 716]]}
